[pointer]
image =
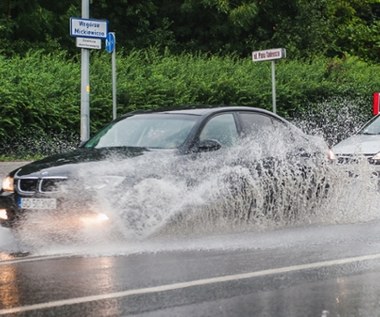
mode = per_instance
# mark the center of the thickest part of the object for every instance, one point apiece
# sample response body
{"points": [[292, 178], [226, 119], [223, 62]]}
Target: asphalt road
{"points": [[310, 271]]}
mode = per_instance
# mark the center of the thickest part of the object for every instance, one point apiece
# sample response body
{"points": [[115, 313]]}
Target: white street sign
{"points": [[88, 28], [85, 42], [268, 55]]}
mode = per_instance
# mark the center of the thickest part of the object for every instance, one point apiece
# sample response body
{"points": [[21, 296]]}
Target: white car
{"points": [[364, 144]]}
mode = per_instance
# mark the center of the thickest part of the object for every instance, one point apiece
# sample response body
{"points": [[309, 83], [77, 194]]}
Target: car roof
{"points": [[203, 110]]}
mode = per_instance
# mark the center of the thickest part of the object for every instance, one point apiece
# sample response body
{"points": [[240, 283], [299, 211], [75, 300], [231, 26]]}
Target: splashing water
{"points": [[235, 189], [229, 190]]}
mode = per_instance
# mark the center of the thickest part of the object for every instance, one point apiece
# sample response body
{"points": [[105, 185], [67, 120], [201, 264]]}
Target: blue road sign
{"points": [[110, 42]]}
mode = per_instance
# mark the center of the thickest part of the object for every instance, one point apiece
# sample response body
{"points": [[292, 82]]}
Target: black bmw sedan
{"points": [[42, 186]]}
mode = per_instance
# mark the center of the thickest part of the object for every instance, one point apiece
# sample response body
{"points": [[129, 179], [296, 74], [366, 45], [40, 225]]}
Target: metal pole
{"points": [[114, 102], [85, 82], [273, 87]]}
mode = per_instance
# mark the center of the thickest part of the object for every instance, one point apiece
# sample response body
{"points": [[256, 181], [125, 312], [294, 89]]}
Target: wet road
{"points": [[311, 271], [317, 270]]}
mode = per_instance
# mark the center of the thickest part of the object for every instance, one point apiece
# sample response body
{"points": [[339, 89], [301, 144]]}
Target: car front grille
{"points": [[29, 185], [352, 159], [39, 185]]}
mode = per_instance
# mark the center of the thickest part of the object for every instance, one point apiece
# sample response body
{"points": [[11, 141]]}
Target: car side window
{"points": [[253, 123], [221, 128], [256, 124]]}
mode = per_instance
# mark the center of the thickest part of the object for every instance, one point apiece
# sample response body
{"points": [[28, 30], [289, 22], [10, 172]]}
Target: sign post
{"points": [[85, 83], [270, 55], [111, 48], [89, 33]]}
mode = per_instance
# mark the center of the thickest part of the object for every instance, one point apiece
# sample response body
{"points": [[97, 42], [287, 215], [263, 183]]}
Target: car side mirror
{"points": [[209, 145]]}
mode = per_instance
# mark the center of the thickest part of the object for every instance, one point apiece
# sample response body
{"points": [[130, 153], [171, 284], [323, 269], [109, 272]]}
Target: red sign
{"points": [[376, 106]]}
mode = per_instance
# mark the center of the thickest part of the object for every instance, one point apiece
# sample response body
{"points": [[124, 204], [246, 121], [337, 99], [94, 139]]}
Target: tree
{"points": [[304, 27], [34, 24]]}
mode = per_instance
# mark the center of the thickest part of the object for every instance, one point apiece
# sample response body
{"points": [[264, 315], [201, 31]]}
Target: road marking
{"points": [[182, 285], [32, 259]]}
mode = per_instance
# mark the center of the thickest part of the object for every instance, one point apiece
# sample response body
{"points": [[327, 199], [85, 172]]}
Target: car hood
{"points": [[359, 144], [69, 163]]}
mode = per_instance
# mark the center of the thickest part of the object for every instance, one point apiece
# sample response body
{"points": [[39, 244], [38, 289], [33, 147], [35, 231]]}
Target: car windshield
{"points": [[161, 131], [372, 127]]}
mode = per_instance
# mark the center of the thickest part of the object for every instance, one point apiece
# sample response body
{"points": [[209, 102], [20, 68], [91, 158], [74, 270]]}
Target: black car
{"points": [[63, 182]]}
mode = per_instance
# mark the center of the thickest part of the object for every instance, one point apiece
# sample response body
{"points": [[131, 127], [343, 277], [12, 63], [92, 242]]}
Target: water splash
{"points": [[233, 190]]}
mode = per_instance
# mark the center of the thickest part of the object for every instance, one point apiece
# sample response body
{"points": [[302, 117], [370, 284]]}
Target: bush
{"points": [[40, 94]]}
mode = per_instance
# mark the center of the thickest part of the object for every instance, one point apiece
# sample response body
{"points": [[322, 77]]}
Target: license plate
{"points": [[38, 203]]}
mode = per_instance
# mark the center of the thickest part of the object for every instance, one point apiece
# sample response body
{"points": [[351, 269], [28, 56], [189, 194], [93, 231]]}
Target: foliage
{"points": [[183, 52], [40, 93], [306, 28], [32, 145]]}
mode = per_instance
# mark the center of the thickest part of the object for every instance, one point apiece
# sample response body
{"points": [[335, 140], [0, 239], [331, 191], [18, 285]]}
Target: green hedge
{"points": [[40, 94]]}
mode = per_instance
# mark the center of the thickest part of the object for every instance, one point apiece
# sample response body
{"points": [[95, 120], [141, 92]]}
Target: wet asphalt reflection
{"points": [[308, 271]]}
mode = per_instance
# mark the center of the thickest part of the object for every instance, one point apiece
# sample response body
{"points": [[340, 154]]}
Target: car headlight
{"points": [[8, 185], [331, 155], [3, 214], [375, 159], [94, 219]]}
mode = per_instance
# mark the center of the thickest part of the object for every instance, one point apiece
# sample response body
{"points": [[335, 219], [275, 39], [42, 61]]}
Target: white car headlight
{"points": [[376, 158], [331, 155], [3, 214], [94, 219], [7, 184]]}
